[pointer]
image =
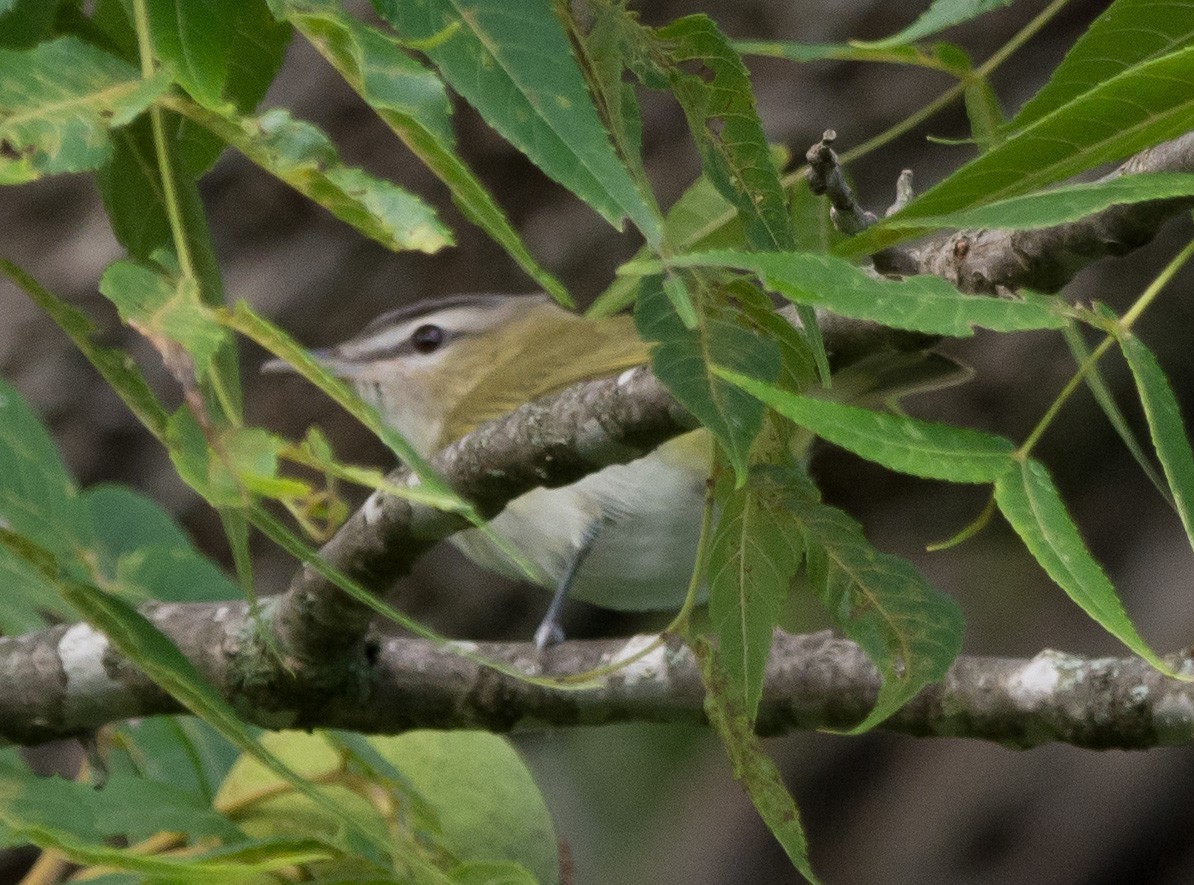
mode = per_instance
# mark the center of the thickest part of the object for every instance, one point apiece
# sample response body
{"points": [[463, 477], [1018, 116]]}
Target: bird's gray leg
{"points": [[550, 632]]}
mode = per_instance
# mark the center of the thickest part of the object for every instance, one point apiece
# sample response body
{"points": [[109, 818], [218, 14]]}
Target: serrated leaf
{"points": [[1030, 502], [1165, 425], [753, 557], [1115, 416], [193, 38], [302, 156], [752, 767], [1138, 108], [166, 311], [511, 60], [684, 359], [1062, 204], [718, 101], [413, 102], [922, 303], [1128, 33], [898, 442], [911, 631], [940, 15], [58, 102]]}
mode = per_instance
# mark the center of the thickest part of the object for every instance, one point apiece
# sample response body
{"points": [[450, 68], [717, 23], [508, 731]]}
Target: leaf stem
{"points": [[165, 168], [1123, 325]]}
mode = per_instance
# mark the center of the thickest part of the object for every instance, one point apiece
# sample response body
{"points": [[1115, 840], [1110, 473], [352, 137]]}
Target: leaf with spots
{"points": [[58, 103], [912, 631], [713, 87], [754, 556]]}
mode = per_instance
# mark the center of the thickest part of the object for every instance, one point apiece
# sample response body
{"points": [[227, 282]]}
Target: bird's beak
{"points": [[328, 358]]}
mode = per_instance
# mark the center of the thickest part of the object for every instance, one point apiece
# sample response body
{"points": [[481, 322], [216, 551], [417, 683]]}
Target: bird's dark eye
{"points": [[427, 339]]}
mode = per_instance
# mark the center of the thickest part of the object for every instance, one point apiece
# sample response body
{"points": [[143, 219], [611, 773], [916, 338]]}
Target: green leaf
{"points": [[413, 102], [752, 767], [1128, 33], [133, 196], [712, 85], [984, 112], [193, 38], [72, 817], [684, 360], [753, 558], [482, 794], [1115, 416], [910, 630], [182, 751], [940, 15], [807, 52], [166, 311], [922, 303], [907, 445], [1031, 503], [30, 600], [511, 60], [116, 366], [57, 103], [302, 156], [701, 214], [138, 807], [1165, 425], [255, 52], [147, 555], [135, 637], [25, 23], [38, 499], [1140, 107], [613, 45], [1061, 204]]}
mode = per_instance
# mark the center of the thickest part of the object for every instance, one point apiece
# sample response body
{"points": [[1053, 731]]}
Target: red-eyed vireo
{"points": [[624, 537]]}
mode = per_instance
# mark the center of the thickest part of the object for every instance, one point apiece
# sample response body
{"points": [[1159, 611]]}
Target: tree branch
{"points": [[67, 680], [986, 261]]}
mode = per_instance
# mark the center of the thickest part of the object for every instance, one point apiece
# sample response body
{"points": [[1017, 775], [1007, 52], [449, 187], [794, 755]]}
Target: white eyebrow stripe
{"points": [[456, 321]]}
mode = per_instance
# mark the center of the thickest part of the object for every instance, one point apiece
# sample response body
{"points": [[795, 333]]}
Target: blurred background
{"points": [[657, 804]]}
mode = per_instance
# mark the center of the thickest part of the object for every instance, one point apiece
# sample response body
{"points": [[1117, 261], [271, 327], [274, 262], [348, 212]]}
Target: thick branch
{"points": [[985, 261], [67, 680]]}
